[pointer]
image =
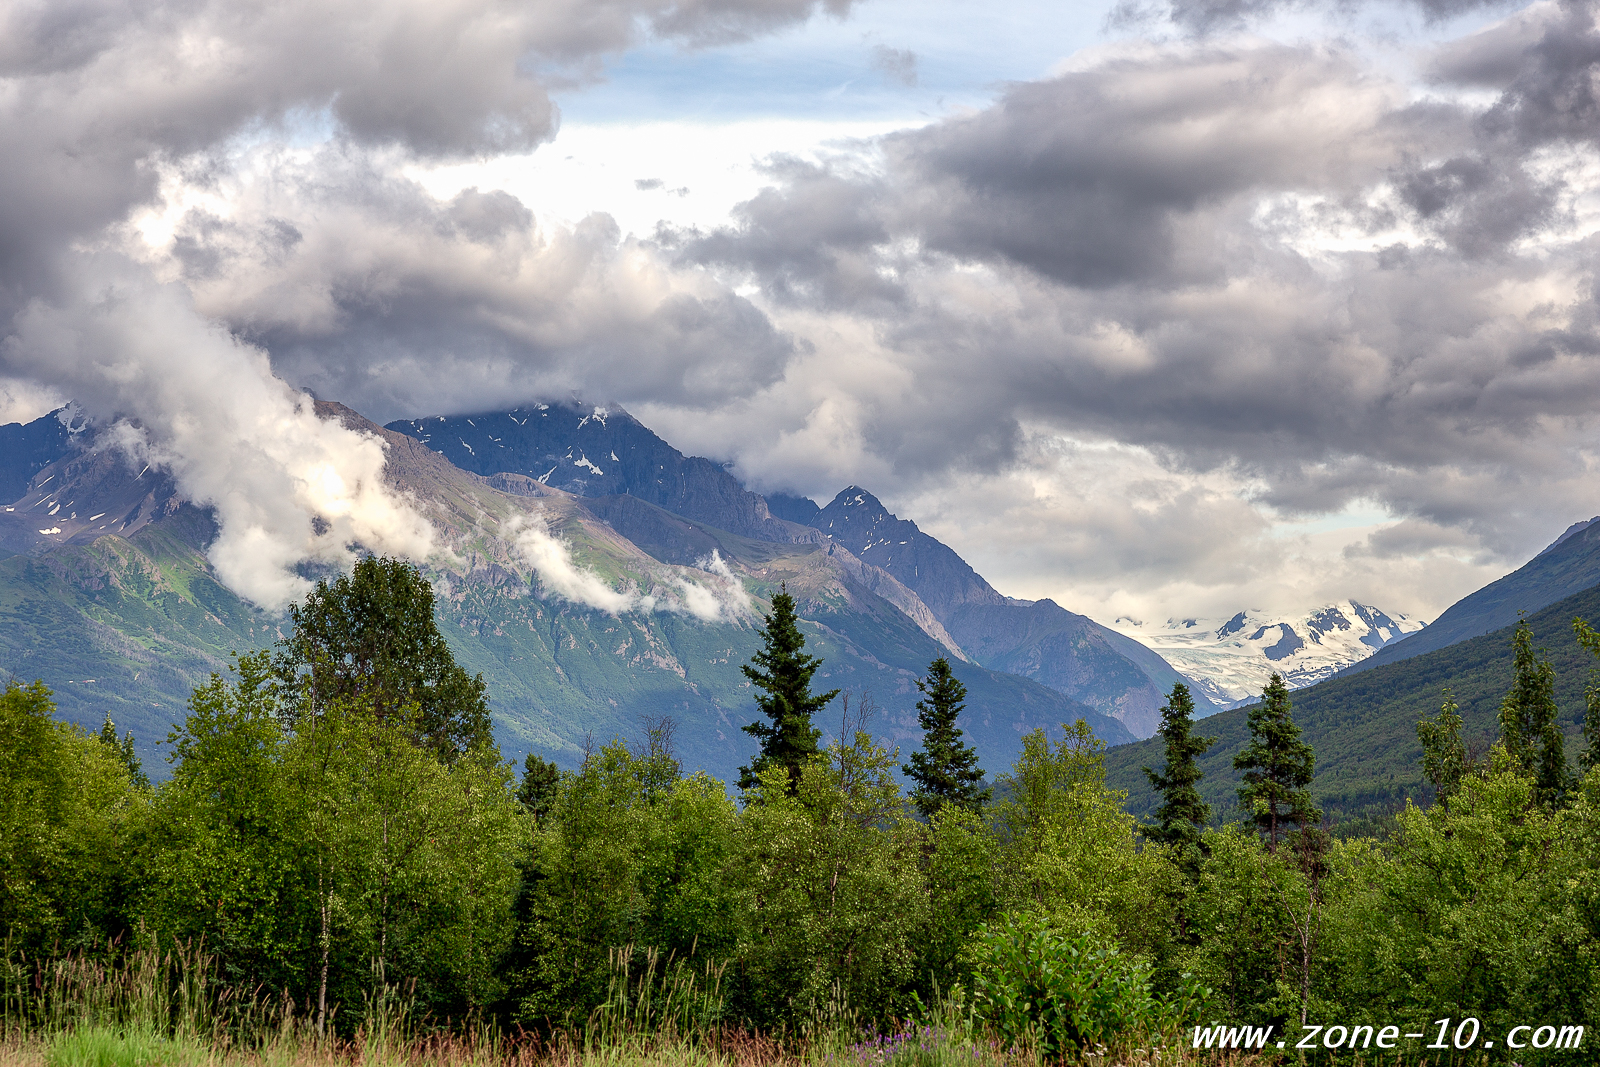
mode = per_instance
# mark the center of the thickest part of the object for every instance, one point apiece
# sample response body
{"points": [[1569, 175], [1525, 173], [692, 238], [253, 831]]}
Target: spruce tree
{"points": [[945, 770], [1182, 815], [541, 780], [1277, 766], [1444, 754], [1528, 726], [124, 752], [782, 672]]}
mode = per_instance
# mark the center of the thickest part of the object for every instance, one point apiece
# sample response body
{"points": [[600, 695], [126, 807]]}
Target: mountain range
{"points": [[1230, 660], [606, 456], [106, 594]]}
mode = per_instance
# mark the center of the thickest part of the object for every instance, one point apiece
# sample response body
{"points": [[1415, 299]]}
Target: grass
{"points": [[164, 1010]]}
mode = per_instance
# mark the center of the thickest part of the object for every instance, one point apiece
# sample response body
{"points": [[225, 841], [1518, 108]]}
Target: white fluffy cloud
{"points": [[713, 594], [287, 486]]}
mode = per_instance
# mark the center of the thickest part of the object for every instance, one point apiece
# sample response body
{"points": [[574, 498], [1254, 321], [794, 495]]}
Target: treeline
{"points": [[338, 828]]}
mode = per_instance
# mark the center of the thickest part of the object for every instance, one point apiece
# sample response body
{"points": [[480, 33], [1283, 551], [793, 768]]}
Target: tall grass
{"points": [[148, 1008]]}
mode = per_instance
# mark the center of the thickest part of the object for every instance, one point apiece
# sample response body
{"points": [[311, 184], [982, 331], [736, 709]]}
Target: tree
{"points": [[65, 804], [124, 752], [1444, 754], [945, 770], [1182, 815], [782, 671], [370, 638], [1528, 726], [540, 781], [1278, 766], [1590, 757]]}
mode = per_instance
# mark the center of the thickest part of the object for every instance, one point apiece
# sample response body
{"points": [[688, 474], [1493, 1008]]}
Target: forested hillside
{"points": [[1363, 726]]}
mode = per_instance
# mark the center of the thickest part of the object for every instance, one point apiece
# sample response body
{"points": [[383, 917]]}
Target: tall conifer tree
{"points": [[782, 672], [1277, 766], [1182, 815], [946, 770], [1528, 726]]}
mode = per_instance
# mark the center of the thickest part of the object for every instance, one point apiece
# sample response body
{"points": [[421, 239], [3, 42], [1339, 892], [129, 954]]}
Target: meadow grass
{"points": [[155, 1009]]}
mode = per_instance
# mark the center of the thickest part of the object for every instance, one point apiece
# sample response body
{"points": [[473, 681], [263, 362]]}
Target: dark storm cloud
{"points": [[108, 104], [365, 287], [815, 241], [1251, 257], [103, 97], [1212, 16]]}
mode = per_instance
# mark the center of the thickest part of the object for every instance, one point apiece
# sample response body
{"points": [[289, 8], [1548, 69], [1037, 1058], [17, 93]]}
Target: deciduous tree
{"points": [[370, 638]]}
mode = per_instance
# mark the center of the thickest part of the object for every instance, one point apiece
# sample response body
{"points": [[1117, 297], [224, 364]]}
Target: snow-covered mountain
{"points": [[1230, 660]]}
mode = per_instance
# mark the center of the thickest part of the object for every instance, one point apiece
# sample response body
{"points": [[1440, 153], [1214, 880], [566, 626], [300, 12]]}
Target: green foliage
{"points": [[624, 857], [1444, 754], [1528, 727], [782, 672], [1484, 908], [836, 893], [946, 770], [1277, 767], [1058, 993], [1071, 852], [541, 780], [960, 860], [335, 859], [66, 805], [1182, 815], [221, 859], [124, 751], [370, 638], [1589, 639]]}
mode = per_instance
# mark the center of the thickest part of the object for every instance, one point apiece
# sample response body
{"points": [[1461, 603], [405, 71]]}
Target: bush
{"points": [[1058, 992]]}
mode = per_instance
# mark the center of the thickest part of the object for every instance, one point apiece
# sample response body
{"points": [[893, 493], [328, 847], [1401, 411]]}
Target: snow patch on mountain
{"points": [[1229, 660]]}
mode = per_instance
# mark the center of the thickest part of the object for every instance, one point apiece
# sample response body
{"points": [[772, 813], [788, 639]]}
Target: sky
{"points": [[1161, 310]]}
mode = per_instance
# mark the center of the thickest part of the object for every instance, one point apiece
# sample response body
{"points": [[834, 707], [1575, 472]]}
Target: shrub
{"points": [[1058, 992]]}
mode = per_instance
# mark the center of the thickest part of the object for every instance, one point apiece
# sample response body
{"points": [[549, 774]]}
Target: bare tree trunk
{"points": [[322, 987], [383, 915]]}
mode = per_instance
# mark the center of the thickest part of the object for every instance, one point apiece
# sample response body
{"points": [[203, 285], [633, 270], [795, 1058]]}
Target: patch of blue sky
{"points": [[965, 53], [1358, 515]]}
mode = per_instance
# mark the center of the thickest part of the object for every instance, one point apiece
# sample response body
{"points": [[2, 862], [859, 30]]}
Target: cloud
{"points": [[1274, 262], [365, 287], [1203, 17], [190, 399], [106, 100], [716, 595], [896, 64]]}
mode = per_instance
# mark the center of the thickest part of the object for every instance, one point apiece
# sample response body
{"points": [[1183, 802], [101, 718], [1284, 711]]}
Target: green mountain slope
{"points": [[1363, 726], [1569, 566]]}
